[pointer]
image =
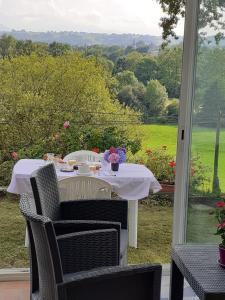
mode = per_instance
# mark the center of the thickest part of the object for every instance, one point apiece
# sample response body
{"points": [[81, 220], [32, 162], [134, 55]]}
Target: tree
{"points": [[58, 49], [146, 69], [155, 99], [127, 62], [37, 94], [133, 96], [169, 70], [126, 78], [7, 46], [211, 14]]}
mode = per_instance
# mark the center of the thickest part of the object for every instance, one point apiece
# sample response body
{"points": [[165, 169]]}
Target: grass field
{"points": [[203, 141], [154, 235]]}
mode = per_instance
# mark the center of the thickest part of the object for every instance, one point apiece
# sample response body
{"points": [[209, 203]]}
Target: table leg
{"points": [[133, 222], [176, 283]]}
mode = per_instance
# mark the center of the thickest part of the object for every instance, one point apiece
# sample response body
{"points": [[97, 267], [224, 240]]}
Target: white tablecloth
{"points": [[132, 181]]}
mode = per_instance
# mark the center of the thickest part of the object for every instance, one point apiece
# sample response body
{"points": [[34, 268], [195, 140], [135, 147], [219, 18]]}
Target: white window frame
{"points": [[185, 121]]}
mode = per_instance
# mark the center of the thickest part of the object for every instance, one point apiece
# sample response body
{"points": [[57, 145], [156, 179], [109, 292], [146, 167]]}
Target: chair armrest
{"points": [[141, 282], [86, 250], [101, 210], [70, 226]]}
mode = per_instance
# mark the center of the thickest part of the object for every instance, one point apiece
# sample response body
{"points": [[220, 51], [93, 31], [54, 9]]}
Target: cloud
{"points": [[122, 16]]}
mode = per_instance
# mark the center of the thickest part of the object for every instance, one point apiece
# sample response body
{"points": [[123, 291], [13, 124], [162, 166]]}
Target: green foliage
{"points": [[155, 99], [169, 70], [7, 45], [39, 93], [146, 69], [220, 216], [133, 96], [126, 78], [161, 163], [58, 49], [198, 177], [127, 62], [6, 172], [172, 107]]}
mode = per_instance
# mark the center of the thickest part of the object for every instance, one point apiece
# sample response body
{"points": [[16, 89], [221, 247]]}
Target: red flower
{"points": [[221, 226], [172, 164], [220, 204], [112, 150], [148, 151], [95, 149], [14, 155], [66, 124], [174, 172]]}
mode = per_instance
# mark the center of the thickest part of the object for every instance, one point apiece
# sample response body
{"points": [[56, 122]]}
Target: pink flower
{"points": [[112, 150], [66, 124], [221, 226], [220, 204], [14, 155], [114, 158]]}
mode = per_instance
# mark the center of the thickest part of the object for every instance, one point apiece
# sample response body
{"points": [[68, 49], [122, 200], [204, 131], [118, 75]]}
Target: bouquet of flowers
{"points": [[115, 155]]}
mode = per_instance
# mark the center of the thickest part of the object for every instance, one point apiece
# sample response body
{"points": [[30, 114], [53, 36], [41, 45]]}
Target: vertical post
{"points": [[216, 182], [184, 130], [133, 222]]}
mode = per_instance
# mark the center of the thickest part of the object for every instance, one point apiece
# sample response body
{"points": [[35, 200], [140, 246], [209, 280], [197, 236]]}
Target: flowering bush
{"points": [[161, 164], [115, 155], [220, 215]]}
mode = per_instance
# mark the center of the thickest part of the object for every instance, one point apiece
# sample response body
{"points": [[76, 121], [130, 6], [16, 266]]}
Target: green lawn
{"points": [[154, 235], [154, 136], [203, 141]]}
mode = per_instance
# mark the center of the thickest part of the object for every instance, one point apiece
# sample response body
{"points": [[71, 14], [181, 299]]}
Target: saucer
{"points": [[222, 265], [66, 170]]}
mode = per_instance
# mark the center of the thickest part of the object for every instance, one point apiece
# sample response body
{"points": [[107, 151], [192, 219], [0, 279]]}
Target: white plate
{"points": [[84, 174]]}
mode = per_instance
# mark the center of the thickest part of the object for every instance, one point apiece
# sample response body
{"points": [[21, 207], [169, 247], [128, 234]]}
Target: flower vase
{"points": [[222, 254], [115, 167]]}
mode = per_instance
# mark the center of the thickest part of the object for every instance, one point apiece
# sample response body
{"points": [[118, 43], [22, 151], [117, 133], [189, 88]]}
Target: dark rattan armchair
{"points": [[68, 216], [58, 282]]}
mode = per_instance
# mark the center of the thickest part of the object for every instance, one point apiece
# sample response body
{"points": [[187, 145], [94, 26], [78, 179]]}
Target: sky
{"points": [[110, 16]]}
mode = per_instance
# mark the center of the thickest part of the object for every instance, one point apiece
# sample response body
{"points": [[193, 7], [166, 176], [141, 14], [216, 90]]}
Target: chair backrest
{"points": [[46, 249], [84, 187], [83, 155], [46, 193]]}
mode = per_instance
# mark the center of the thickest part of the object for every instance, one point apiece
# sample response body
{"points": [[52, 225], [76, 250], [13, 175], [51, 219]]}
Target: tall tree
{"points": [[169, 70], [146, 69], [155, 99]]}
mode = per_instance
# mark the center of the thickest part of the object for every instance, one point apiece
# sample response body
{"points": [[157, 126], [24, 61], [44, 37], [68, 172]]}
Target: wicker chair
{"points": [[87, 214], [61, 276]]}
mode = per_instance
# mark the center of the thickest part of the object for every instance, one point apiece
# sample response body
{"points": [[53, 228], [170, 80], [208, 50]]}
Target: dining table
{"points": [[132, 182]]}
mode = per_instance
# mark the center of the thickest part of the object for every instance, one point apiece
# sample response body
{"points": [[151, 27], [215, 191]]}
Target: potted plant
{"points": [[115, 156], [220, 215]]}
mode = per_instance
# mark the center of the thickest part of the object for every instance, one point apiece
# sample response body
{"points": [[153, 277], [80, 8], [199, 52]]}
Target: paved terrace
{"points": [[14, 285]]}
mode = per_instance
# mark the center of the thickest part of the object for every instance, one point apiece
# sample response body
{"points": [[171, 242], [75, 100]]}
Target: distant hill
{"points": [[87, 39]]}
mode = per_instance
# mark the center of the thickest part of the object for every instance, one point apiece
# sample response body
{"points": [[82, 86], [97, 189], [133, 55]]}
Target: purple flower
{"points": [[120, 152]]}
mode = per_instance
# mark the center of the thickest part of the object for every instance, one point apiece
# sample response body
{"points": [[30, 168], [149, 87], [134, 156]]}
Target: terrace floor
{"points": [[19, 290]]}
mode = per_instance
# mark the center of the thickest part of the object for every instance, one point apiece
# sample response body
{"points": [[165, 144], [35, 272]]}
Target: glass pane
{"points": [[207, 163]]}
